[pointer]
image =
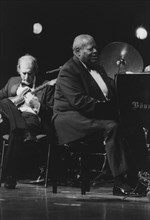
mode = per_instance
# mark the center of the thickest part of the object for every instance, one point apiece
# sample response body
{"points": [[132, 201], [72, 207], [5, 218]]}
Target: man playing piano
{"points": [[85, 106]]}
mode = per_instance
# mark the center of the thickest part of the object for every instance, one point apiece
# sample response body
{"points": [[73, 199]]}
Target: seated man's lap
{"points": [[4, 124], [32, 121]]}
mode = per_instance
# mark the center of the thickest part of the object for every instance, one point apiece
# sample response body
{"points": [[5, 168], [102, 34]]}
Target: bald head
{"points": [[84, 48], [81, 40]]}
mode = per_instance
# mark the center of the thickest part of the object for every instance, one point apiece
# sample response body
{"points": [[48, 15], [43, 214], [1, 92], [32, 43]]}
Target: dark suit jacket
{"points": [[76, 111], [45, 97]]}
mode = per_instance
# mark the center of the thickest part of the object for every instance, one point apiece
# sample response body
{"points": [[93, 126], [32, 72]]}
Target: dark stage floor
{"points": [[29, 201]]}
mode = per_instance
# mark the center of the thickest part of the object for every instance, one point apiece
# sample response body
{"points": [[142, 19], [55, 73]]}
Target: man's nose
{"points": [[26, 75], [94, 50]]}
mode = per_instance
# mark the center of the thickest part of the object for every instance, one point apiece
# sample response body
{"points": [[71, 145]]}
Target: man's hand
{"points": [[32, 101], [1, 118], [53, 82], [147, 68]]}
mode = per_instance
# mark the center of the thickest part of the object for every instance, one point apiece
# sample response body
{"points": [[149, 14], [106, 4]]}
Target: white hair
{"points": [[28, 58]]}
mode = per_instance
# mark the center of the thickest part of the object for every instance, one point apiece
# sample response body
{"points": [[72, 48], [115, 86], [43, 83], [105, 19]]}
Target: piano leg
{"points": [[146, 138], [146, 177]]}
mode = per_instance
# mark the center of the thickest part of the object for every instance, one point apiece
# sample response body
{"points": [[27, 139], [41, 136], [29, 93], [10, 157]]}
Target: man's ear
{"points": [[77, 51]]}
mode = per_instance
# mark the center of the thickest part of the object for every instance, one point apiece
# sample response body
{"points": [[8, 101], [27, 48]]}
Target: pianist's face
{"points": [[88, 52], [26, 72]]}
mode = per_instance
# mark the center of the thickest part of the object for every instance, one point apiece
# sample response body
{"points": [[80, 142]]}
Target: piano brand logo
{"points": [[140, 105]]}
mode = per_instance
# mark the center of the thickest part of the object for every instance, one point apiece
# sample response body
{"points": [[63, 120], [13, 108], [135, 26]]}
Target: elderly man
{"points": [[85, 105], [25, 106]]}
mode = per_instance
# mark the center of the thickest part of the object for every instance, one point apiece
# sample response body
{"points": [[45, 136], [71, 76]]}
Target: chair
{"points": [[85, 150], [39, 138]]}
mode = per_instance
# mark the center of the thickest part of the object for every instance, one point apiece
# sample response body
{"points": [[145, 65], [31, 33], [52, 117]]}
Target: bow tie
{"points": [[92, 67], [24, 84]]}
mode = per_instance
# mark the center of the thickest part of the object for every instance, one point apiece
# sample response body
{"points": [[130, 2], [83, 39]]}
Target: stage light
{"points": [[141, 33], [37, 28]]}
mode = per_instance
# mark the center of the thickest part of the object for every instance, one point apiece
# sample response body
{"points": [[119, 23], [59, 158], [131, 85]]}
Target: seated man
{"points": [[24, 108], [85, 105]]}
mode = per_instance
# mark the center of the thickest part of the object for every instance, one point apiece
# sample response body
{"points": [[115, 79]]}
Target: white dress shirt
{"points": [[99, 80], [25, 107]]}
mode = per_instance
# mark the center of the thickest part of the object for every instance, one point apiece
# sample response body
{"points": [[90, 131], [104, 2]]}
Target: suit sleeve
{"points": [[46, 108], [73, 89], [4, 91]]}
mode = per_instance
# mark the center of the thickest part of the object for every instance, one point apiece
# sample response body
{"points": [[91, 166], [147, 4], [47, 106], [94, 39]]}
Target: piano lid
{"points": [[129, 72]]}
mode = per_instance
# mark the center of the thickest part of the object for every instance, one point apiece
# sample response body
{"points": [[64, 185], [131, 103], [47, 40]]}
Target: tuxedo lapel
{"points": [[107, 81], [90, 84]]}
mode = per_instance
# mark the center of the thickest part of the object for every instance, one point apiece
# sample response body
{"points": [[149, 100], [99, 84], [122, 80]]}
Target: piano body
{"points": [[133, 95]]}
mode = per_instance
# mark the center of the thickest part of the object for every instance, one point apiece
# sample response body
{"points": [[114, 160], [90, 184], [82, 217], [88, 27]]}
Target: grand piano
{"points": [[123, 63]]}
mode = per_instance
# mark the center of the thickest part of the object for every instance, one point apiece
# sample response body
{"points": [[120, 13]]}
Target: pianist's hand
{"points": [[147, 68], [1, 118], [106, 110]]}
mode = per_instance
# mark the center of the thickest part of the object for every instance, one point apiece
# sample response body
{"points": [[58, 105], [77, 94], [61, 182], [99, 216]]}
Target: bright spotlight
{"points": [[37, 28], [141, 33]]}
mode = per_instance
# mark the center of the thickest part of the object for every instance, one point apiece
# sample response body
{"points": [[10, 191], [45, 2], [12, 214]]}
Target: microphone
{"points": [[54, 70], [122, 61]]}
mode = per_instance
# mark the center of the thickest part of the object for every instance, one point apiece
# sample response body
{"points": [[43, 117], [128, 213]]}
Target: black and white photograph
{"points": [[74, 109]]}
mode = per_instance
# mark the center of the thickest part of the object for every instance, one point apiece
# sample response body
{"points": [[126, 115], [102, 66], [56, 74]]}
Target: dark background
{"points": [[107, 21]]}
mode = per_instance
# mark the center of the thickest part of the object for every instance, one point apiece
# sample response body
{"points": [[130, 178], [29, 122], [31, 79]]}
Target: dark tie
{"points": [[24, 84]]}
